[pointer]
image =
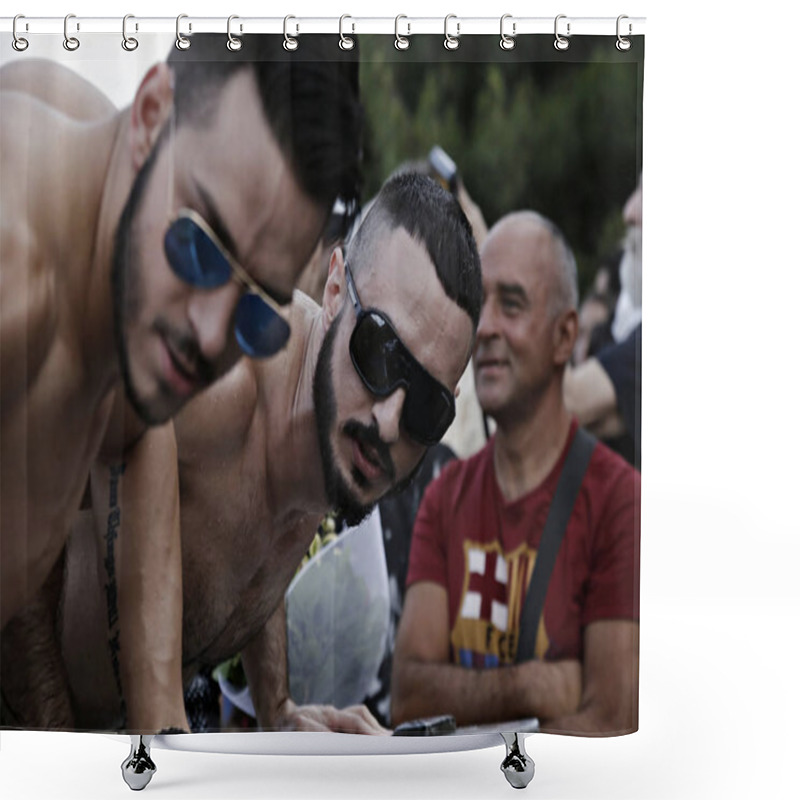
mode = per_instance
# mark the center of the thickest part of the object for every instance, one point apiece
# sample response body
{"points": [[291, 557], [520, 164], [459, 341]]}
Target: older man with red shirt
{"points": [[478, 532]]}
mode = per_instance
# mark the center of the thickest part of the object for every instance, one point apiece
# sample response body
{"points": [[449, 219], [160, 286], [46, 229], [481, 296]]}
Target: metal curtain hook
{"points": [[507, 42], [289, 42], [234, 44], [623, 44], [19, 43], [401, 42], [561, 42], [181, 42], [451, 42], [346, 42], [70, 42], [128, 42]]}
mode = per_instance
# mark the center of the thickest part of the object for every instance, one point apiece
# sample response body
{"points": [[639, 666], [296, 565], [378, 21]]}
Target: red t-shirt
{"points": [[482, 549]]}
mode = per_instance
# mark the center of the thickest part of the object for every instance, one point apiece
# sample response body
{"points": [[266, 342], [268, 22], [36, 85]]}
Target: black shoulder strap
{"points": [[569, 483]]}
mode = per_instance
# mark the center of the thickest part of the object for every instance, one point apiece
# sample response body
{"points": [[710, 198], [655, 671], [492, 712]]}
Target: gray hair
{"points": [[565, 296]]}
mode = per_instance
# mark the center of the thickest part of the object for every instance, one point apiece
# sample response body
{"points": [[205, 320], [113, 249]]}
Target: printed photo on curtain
{"points": [[320, 384]]}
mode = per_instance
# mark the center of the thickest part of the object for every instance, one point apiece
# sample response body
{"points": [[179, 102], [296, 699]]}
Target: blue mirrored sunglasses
{"points": [[198, 257]]}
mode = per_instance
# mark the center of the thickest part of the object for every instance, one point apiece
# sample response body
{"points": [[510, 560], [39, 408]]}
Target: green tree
{"points": [[527, 131]]}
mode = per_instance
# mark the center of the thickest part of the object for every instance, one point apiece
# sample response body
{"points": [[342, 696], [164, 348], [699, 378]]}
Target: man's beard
{"points": [[337, 491], [125, 284], [126, 299]]}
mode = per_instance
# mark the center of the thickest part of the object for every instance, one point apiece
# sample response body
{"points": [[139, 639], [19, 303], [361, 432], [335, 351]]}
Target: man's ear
{"points": [[565, 331], [151, 108], [335, 291]]}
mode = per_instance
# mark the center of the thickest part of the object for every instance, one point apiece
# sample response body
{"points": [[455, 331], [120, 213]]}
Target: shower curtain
{"points": [[96, 626]]}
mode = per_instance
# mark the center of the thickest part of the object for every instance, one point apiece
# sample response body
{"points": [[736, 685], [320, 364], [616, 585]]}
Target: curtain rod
{"points": [[295, 25]]}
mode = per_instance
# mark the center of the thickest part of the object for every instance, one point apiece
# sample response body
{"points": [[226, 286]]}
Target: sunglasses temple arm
{"points": [[351, 289], [171, 165]]}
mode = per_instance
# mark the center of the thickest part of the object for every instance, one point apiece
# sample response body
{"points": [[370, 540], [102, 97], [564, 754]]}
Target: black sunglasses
{"points": [[197, 256], [384, 364]]}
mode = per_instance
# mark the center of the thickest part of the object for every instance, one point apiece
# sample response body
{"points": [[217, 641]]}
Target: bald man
{"points": [[479, 528]]}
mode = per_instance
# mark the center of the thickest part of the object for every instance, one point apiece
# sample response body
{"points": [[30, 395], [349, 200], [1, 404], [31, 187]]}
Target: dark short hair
{"points": [[432, 216], [309, 97]]}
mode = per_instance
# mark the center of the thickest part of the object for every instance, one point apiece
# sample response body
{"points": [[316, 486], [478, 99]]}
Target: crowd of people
{"points": [[178, 417]]}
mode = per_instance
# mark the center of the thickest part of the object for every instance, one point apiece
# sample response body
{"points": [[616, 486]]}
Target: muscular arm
{"points": [[264, 660], [425, 683], [35, 692], [265, 664], [137, 517]]}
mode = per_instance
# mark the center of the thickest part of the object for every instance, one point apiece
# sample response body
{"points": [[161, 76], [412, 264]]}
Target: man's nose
{"points": [[210, 314], [387, 412], [487, 323]]}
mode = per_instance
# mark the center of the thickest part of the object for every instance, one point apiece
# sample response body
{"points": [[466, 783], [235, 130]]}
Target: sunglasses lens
{"points": [[193, 256], [384, 363], [428, 411], [375, 350], [260, 330]]}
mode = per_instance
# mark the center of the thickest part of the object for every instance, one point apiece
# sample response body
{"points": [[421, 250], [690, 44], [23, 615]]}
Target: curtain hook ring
{"points": [[451, 42], [346, 42], [561, 42], [181, 42], [507, 42], [401, 42], [19, 43], [623, 44], [129, 43], [234, 44], [289, 42], [71, 43]]}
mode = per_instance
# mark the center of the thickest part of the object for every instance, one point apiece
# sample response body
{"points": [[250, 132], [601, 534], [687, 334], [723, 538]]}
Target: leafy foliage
{"points": [[560, 137]]}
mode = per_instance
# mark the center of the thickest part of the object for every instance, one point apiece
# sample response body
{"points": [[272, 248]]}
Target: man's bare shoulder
{"points": [[217, 422], [303, 306], [278, 375], [33, 139], [28, 302], [57, 87]]}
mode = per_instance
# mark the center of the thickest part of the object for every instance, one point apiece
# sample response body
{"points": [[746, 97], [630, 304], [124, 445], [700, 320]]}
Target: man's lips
{"points": [[367, 461], [183, 380], [490, 363]]}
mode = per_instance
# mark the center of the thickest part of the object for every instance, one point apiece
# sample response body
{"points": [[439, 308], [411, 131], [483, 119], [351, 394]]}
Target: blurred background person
{"points": [[605, 391], [596, 311]]}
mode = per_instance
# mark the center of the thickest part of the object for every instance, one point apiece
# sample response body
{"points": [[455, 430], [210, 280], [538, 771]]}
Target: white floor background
{"points": [[721, 538]]}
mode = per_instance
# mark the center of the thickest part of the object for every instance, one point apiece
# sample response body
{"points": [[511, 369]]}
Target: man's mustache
{"points": [[186, 347], [371, 436]]}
